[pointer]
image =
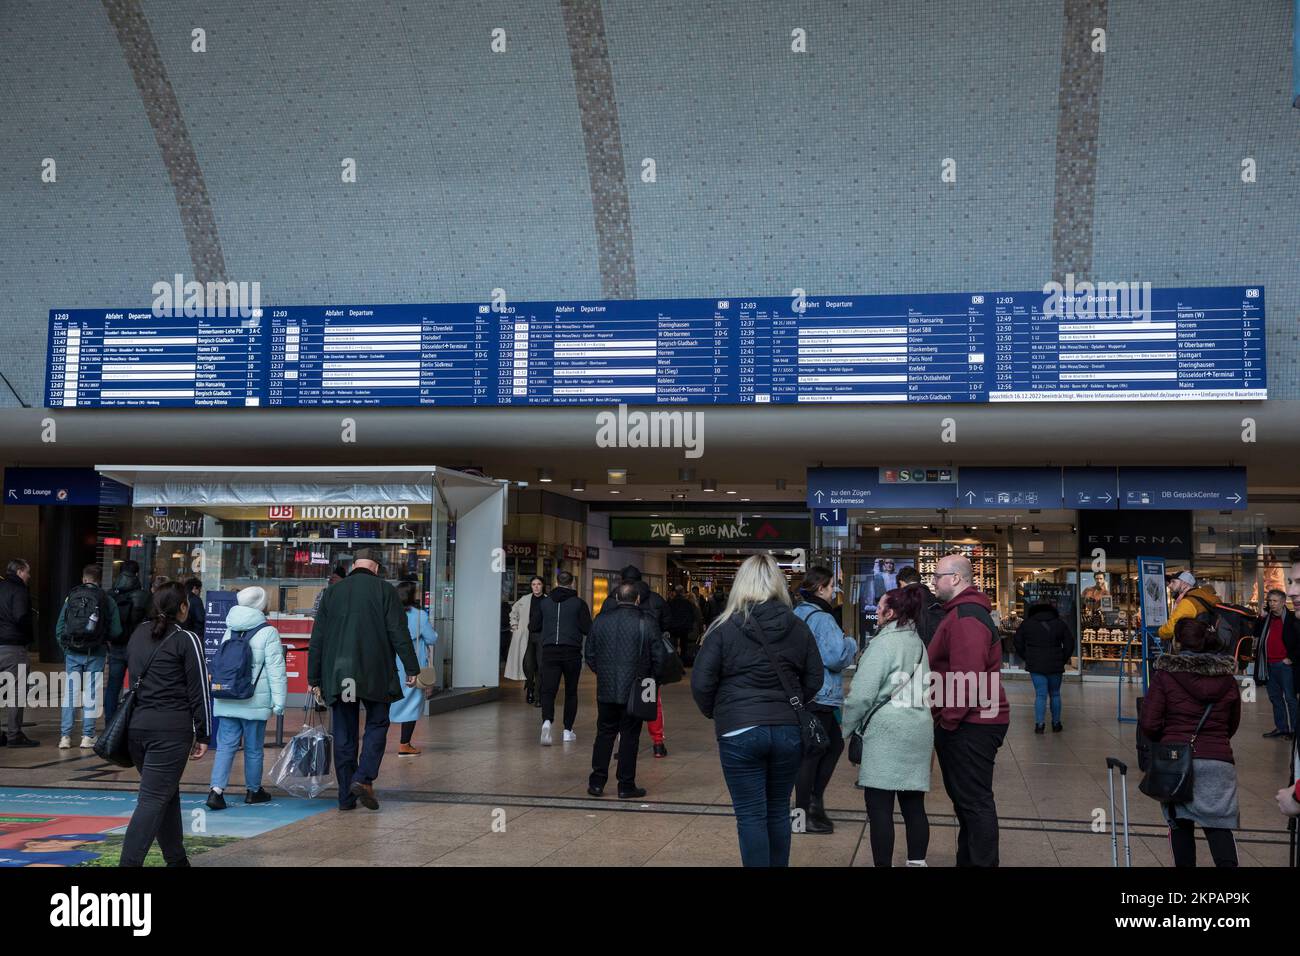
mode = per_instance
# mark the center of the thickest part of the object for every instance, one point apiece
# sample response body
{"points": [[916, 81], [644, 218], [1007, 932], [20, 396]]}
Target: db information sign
{"points": [[280, 512]]}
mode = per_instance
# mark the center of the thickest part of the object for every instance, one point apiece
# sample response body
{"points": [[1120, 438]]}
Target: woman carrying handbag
{"points": [[1193, 701], [169, 723]]}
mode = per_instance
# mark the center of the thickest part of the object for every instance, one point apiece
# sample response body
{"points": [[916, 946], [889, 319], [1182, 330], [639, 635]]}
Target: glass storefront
{"points": [[1022, 559]]}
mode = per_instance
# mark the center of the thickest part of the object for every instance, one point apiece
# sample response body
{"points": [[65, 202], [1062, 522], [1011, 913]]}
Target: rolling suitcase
{"points": [[1113, 764]]}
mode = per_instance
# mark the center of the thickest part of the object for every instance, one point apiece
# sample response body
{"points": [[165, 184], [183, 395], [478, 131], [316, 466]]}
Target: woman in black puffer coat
{"points": [[1045, 643]]}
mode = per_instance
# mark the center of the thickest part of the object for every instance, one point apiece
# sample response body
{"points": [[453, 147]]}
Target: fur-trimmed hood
{"points": [[1205, 665]]}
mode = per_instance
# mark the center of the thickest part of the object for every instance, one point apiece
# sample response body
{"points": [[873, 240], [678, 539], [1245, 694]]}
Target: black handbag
{"points": [[309, 756], [112, 745], [1169, 774], [855, 738], [811, 731]]}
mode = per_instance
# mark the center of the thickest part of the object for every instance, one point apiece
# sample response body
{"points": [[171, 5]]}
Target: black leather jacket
{"points": [[15, 611]]}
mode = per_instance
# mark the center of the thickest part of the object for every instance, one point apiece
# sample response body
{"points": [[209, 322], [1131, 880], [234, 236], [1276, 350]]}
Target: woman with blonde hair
{"points": [[736, 684]]}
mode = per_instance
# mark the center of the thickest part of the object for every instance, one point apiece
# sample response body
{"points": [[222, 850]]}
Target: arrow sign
{"points": [[1175, 489], [820, 495], [970, 497]]}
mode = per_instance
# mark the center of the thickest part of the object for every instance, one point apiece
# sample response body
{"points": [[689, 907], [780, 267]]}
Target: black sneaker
{"points": [[20, 739], [636, 793], [216, 801], [258, 796], [1274, 733], [661, 750], [1039, 728], [596, 791], [1057, 728], [345, 807]]}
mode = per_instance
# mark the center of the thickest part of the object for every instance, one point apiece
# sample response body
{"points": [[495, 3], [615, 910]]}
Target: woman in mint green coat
{"points": [[889, 689]]}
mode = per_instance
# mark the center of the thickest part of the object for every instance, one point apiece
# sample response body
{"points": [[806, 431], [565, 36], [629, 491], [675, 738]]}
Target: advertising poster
{"points": [[874, 577], [1155, 607]]}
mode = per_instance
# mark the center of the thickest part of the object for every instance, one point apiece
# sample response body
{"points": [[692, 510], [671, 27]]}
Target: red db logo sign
{"points": [[280, 512]]}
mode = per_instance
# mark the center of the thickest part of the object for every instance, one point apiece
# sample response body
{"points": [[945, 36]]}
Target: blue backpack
{"points": [[232, 666]]}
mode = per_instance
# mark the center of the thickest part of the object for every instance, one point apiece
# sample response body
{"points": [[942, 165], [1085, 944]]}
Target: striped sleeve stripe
{"points": [[203, 675]]}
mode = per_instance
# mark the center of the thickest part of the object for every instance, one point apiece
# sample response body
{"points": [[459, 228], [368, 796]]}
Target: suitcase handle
{"points": [[1114, 763]]}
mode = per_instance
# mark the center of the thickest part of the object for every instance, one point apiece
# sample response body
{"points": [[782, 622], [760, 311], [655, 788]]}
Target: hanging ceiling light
{"points": [[545, 475], [709, 484], [578, 484], [616, 476]]}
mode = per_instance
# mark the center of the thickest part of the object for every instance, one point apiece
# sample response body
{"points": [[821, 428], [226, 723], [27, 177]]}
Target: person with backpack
{"points": [[931, 614], [737, 685], [132, 602], [15, 637], [1189, 601], [837, 651], [171, 722], [87, 620], [562, 620], [971, 716], [1277, 647], [1045, 643], [1194, 698], [249, 684]]}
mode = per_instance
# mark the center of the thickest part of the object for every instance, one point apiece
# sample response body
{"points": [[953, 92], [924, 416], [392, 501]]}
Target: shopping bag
{"points": [[303, 767]]}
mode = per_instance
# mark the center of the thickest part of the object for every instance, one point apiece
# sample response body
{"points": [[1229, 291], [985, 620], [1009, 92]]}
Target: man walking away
{"points": [[87, 620], [971, 723], [15, 636], [681, 620], [562, 620], [932, 612], [623, 650], [197, 621], [132, 602], [359, 633]]}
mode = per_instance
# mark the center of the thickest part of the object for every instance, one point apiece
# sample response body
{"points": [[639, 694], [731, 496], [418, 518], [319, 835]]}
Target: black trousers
{"points": [[966, 758], [880, 814], [160, 756], [530, 664], [815, 772], [614, 720], [1182, 840], [408, 730], [561, 660]]}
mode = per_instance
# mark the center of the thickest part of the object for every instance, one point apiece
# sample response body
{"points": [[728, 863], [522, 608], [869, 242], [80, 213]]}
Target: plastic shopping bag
{"points": [[303, 767]]}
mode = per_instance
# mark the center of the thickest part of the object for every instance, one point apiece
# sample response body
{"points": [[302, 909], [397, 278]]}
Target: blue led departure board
{"points": [[1170, 344]]}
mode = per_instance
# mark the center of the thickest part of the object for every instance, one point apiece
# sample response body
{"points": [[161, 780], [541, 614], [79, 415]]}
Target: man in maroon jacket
{"points": [[972, 714]]}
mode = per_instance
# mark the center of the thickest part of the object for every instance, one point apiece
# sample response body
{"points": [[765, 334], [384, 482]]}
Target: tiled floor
{"points": [[484, 793]]}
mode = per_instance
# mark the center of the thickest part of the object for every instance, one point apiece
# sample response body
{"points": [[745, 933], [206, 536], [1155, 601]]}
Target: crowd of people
{"points": [[768, 668]]}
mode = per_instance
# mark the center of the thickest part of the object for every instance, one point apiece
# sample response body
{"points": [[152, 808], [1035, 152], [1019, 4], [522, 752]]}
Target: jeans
{"points": [[85, 673], [1281, 692], [760, 767], [115, 675], [1045, 684], [966, 757], [229, 733], [344, 718]]}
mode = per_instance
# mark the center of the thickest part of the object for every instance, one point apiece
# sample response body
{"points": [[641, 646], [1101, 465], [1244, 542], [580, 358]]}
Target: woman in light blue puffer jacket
{"points": [[837, 650], [246, 719]]}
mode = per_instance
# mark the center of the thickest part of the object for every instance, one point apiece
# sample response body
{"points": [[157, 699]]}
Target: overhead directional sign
{"points": [[62, 486], [831, 517], [1009, 487], [1171, 488], [862, 488], [1091, 489]]}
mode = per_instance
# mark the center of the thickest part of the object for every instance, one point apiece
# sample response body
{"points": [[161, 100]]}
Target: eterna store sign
{"points": [[1160, 534]]}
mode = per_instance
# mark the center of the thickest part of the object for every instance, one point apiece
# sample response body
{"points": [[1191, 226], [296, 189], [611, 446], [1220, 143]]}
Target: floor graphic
{"points": [[40, 827]]}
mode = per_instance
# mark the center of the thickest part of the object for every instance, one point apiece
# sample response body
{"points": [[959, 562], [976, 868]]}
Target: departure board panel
{"points": [[1164, 344]]}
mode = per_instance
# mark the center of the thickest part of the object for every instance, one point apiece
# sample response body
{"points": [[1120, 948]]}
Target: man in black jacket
{"points": [[1045, 643], [652, 605], [132, 602], [15, 636], [932, 611], [561, 621], [681, 620], [623, 650]]}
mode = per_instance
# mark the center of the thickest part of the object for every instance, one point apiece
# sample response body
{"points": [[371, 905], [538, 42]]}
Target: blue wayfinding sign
{"points": [[1009, 487], [1172, 489], [831, 517], [830, 488], [1091, 489], [62, 486]]}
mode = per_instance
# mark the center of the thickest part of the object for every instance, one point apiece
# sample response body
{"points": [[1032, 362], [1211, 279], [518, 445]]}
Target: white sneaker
{"points": [[546, 733], [917, 863], [570, 736], [87, 743], [65, 743]]}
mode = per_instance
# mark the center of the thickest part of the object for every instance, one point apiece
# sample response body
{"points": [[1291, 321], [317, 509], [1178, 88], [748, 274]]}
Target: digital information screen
{"points": [[1180, 344]]}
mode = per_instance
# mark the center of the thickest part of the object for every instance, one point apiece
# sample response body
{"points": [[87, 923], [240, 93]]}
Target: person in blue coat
{"points": [[408, 710], [837, 651], [246, 719]]}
